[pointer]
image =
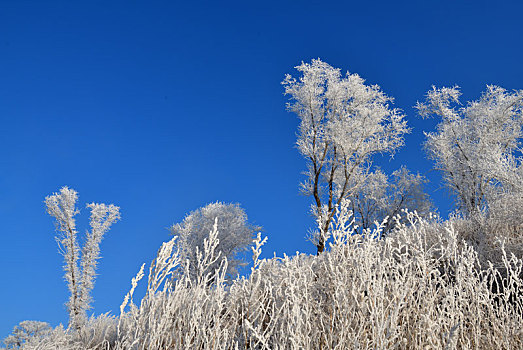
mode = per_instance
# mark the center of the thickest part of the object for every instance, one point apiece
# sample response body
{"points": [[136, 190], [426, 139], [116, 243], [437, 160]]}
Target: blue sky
{"points": [[162, 107]]}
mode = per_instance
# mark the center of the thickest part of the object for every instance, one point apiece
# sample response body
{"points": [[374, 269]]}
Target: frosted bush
{"points": [[98, 333], [420, 287], [488, 232]]}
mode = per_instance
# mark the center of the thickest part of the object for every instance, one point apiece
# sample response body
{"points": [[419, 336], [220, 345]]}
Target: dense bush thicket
{"points": [[420, 287]]}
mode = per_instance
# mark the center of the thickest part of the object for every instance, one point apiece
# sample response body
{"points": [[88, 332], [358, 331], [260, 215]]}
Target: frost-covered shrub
{"points": [[97, 333], [419, 287], [491, 233]]}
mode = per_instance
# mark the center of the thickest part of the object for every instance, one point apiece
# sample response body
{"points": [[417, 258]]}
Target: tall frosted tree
{"points": [[235, 235], [79, 264], [477, 146], [343, 124]]}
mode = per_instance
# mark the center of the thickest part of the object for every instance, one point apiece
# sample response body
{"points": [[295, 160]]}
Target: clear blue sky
{"points": [[162, 107]]}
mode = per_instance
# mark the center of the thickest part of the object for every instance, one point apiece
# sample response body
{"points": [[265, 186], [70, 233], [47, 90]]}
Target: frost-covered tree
{"points": [[235, 235], [25, 332], [477, 146], [80, 277], [343, 124], [383, 197]]}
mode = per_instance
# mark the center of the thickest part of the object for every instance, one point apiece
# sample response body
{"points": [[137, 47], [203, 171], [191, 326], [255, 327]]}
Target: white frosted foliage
{"points": [[80, 277], [383, 196], [477, 146], [235, 235], [343, 124]]}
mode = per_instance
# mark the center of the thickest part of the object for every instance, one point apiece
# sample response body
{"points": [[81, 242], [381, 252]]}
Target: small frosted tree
{"points": [[478, 146], [25, 332], [235, 235], [80, 277], [343, 124], [383, 196]]}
